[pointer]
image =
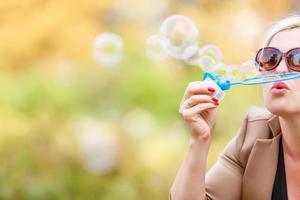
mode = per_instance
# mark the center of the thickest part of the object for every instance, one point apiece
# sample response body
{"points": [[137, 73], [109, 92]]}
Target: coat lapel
{"points": [[261, 168]]}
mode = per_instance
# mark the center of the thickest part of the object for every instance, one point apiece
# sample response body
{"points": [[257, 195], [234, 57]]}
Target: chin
{"points": [[279, 112], [284, 106], [282, 110]]}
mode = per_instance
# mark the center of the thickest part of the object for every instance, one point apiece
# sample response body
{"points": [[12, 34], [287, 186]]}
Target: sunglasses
{"points": [[268, 58]]}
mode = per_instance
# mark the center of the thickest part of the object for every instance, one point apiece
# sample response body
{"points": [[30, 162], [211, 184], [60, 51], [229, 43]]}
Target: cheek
{"points": [[285, 104], [296, 85], [266, 88], [295, 89]]}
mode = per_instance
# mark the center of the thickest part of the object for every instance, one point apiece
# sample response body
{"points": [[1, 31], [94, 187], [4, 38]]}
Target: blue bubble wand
{"points": [[261, 79]]}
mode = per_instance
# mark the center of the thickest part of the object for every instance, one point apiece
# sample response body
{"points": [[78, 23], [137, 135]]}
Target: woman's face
{"points": [[284, 102]]}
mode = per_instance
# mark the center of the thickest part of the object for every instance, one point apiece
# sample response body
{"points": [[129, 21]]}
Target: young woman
{"points": [[263, 160]]}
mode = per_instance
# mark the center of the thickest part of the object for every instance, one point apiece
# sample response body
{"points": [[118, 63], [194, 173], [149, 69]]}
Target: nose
{"points": [[282, 68]]}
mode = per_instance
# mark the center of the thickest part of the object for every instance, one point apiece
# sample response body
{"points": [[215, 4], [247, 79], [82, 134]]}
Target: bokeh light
{"points": [[99, 147]]}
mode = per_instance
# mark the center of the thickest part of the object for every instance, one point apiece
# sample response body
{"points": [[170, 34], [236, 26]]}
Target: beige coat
{"points": [[247, 167]]}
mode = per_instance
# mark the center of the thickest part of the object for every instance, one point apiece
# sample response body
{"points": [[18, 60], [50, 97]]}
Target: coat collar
{"points": [[274, 125], [262, 165]]}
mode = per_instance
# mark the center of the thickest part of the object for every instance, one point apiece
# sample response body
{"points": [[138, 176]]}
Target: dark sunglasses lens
{"points": [[268, 58], [293, 59]]}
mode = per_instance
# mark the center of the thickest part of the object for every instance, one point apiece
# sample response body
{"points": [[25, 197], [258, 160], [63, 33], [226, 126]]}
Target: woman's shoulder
{"points": [[258, 113], [256, 125]]}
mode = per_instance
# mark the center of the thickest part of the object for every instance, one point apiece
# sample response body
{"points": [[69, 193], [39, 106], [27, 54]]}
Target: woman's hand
{"points": [[198, 110]]}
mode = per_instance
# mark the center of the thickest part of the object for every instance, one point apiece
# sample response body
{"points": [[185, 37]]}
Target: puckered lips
{"points": [[279, 88]]}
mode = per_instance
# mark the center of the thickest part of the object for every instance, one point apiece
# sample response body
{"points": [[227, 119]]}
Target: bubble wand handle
{"points": [[224, 85]]}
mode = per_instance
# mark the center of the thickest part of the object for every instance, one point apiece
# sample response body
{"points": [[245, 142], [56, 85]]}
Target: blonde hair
{"points": [[288, 23]]}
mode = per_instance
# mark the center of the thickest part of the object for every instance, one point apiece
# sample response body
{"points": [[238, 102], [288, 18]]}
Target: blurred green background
{"points": [[73, 129]]}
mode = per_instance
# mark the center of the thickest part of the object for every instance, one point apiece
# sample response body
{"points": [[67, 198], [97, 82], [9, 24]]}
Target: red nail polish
{"points": [[211, 89], [214, 99], [216, 103]]}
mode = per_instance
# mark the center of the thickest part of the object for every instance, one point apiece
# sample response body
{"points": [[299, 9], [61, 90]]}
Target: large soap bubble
{"points": [[194, 59], [181, 35], [222, 70], [156, 47], [235, 73], [212, 50], [249, 67], [108, 49], [207, 63], [206, 53]]}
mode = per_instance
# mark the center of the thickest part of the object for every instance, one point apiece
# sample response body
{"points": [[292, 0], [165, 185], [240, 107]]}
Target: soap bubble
{"points": [[182, 36], [222, 70], [248, 69], [108, 49], [156, 47], [194, 59], [266, 73], [207, 63], [213, 51], [208, 52], [235, 73]]}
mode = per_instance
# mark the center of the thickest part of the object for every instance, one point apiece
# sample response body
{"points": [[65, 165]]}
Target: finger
{"points": [[191, 113], [197, 87], [197, 99]]}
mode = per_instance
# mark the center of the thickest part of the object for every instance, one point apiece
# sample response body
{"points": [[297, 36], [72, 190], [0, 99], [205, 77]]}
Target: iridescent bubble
{"points": [[223, 71], [156, 48], [265, 73], [207, 63], [249, 68], [235, 74], [194, 59], [182, 36], [213, 51], [108, 49]]}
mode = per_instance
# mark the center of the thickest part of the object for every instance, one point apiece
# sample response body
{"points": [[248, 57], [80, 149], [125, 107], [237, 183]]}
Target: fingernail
{"points": [[216, 103], [215, 100], [211, 89]]}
